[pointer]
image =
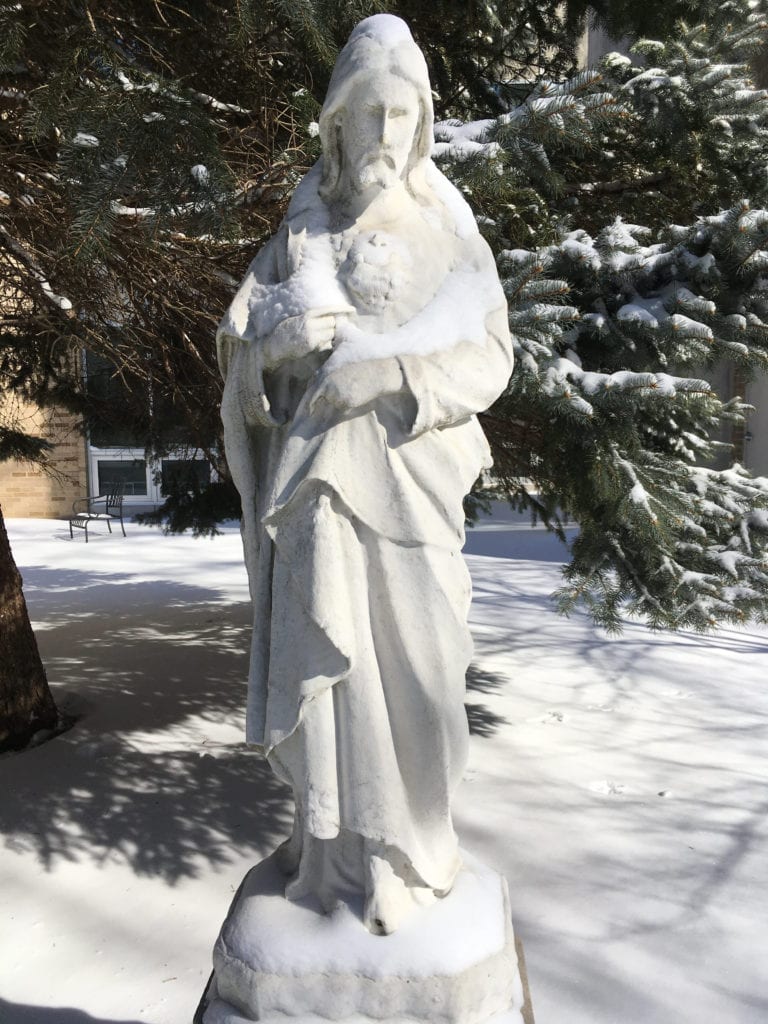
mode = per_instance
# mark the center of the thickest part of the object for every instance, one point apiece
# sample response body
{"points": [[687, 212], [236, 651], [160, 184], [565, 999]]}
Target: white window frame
{"points": [[154, 495]]}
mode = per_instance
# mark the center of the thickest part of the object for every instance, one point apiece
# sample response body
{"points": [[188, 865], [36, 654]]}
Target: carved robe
{"points": [[353, 526]]}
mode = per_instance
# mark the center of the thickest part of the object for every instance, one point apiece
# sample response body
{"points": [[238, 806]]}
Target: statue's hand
{"points": [[298, 336], [355, 385]]}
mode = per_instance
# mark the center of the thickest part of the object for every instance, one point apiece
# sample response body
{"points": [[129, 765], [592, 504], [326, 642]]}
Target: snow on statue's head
{"points": [[376, 125]]}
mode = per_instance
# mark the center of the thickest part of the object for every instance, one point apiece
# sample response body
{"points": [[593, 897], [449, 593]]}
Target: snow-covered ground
{"points": [[619, 784]]}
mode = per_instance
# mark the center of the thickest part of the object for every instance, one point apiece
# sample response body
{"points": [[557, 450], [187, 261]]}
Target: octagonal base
{"points": [[453, 962]]}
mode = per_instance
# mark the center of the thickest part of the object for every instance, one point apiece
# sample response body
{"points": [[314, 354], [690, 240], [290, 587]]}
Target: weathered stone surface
{"points": [[454, 962], [364, 339]]}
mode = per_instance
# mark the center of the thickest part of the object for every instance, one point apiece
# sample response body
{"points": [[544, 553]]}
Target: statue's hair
{"points": [[381, 44]]}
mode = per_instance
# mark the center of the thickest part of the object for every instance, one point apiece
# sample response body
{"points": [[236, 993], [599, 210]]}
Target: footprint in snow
{"points": [[548, 718], [607, 787]]}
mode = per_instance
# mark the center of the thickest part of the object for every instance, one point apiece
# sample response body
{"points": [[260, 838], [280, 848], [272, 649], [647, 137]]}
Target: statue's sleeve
{"points": [[466, 374], [454, 384], [239, 324], [238, 345]]}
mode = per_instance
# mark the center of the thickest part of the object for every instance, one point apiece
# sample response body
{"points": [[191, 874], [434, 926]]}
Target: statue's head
{"points": [[376, 125]]}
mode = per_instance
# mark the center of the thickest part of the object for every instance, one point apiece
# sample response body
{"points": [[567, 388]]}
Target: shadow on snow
{"points": [[17, 1013], [147, 670], [144, 668]]}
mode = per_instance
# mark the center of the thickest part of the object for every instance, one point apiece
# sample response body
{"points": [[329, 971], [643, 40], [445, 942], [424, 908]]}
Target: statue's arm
{"points": [[237, 328], [467, 373], [240, 351], [451, 360], [265, 329], [452, 385]]}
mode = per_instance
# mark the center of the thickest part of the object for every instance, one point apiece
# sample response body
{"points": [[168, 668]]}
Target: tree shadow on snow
{"points": [[484, 680], [482, 720], [517, 541], [151, 671], [16, 1013]]}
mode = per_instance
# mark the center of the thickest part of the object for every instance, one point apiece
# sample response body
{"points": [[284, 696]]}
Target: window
{"points": [[107, 429], [130, 473], [184, 474], [116, 444]]}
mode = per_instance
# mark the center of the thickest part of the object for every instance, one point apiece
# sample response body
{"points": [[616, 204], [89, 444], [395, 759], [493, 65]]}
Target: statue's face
{"points": [[379, 126]]}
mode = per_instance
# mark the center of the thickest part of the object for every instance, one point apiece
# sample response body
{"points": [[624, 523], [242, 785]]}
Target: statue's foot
{"points": [[388, 899]]}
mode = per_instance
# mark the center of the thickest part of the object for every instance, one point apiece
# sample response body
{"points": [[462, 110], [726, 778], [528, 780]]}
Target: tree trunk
{"points": [[26, 704], [760, 67]]}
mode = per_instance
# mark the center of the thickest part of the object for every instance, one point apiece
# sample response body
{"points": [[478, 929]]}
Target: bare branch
{"points": [[62, 303], [649, 181]]}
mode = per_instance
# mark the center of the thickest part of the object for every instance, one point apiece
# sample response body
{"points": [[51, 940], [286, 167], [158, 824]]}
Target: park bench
{"points": [[87, 510]]}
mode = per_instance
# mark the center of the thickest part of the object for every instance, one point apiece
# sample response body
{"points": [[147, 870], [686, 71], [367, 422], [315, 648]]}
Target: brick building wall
{"points": [[25, 489]]}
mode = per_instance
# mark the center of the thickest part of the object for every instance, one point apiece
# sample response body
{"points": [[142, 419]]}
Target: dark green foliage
{"points": [[477, 52], [131, 197], [607, 419], [622, 18], [148, 150], [17, 444], [195, 508]]}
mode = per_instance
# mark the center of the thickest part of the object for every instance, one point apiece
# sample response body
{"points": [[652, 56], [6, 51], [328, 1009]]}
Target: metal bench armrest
{"points": [[80, 505]]}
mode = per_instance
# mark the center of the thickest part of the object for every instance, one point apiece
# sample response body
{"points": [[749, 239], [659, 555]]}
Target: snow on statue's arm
{"points": [[449, 386], [239, 327], [454, 357], [273, 319], [240, 355]]}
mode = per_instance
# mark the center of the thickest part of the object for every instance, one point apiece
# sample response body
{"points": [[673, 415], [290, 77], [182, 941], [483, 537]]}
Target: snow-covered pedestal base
{"points": [[453, 962]]}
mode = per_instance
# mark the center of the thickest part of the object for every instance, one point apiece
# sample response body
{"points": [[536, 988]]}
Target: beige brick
{"points": [[27, 490]]}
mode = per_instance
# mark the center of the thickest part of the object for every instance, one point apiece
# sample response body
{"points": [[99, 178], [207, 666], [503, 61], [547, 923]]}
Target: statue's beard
{"points": [[375, 170]]}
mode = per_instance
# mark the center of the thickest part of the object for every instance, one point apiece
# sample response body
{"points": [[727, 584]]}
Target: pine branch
{"points": [[20, 253], [649, 181]]}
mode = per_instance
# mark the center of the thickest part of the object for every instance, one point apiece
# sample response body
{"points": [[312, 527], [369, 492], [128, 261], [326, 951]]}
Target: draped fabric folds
{"points": [[353, 528]]}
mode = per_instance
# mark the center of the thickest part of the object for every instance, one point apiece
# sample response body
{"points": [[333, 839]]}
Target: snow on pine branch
{"points": [[552, 109], [36, 273], [719, 85], [689, 542], [455, 140], [638, 495], [538, 327], [153, 86], [639, 307], [726, 532], [562, 371]]}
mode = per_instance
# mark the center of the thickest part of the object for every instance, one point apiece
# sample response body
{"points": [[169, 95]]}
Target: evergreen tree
{"points": [[150, 151], [26, 704], [607, 418], [27, 375]]}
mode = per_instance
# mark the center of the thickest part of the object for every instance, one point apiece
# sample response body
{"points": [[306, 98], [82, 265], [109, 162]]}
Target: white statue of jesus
{"points": [[364, 339]]}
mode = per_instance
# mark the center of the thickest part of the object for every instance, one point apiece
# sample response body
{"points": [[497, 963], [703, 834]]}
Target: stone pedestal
{"points": [[280, 961]]}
